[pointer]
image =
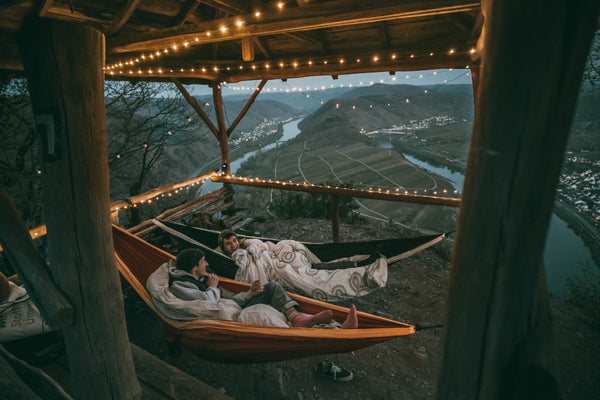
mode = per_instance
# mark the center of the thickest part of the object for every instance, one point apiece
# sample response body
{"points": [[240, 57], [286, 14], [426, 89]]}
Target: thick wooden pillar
{"points": [[222, 129], [496, 340], [63, 63]]}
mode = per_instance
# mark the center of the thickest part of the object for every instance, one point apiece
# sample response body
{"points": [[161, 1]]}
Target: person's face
{"points": [[200, 269], [230, 245]]}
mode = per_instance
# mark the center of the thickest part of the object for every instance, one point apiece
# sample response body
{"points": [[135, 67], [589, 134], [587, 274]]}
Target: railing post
{"points": [[335, 218]]}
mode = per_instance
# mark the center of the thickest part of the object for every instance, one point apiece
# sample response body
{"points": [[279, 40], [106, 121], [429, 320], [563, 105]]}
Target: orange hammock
{"points": [[236, 342]]}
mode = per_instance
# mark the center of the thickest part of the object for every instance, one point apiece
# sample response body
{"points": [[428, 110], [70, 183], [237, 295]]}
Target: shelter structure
{"points": [[526, 60]]}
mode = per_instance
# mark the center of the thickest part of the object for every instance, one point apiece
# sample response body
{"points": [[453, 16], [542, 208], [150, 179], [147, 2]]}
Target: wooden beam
{"points": [[385, 38], [186, 10], [194, 103], [122, 17], [63, 62], [458, 60], [247, 49], [261, 47], [335, 218], [13, 387], [31, 267], [34, 378], [228, 6], [363, 194], [222, 137], [498, 333], [318, 16], [246, 107], [6, 4], [41, 7]]}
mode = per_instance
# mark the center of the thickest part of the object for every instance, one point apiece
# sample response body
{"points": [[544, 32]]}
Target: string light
{"points": [[376, 58]]}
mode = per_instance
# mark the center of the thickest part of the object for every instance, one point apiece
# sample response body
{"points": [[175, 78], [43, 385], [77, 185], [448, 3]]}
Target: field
{"points": [[364, 166]]}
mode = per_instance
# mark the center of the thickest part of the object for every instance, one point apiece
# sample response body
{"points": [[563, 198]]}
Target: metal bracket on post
{"points": [[47, 124]]}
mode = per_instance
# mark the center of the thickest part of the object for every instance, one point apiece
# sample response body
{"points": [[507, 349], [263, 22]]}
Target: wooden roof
{"points": [[227, 41]]}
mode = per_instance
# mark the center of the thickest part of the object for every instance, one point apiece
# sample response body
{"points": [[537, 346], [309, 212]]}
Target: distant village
{"points": [[414, 125], [581, 189], [266, 128], [577, 189]]}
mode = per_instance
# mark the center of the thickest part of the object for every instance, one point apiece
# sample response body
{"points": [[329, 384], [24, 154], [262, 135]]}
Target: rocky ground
{"points": [[403, 368]]}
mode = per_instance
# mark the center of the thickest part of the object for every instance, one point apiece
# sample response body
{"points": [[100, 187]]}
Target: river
{"points": [[290, 131], [565, 255]]}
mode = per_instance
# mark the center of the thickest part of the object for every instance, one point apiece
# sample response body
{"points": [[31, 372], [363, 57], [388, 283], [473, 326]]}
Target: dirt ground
{"points": [[403, 368]]}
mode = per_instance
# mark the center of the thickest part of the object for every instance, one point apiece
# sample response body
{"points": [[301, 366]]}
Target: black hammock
{"points": [[206, 239]]}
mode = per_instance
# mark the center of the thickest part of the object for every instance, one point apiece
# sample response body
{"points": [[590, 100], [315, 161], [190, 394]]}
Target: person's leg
{"points": [[351, 321], [274, 295]]}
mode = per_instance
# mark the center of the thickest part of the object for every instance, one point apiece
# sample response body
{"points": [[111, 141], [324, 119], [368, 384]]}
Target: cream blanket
{"points": [[175, 308], [289, 263]]}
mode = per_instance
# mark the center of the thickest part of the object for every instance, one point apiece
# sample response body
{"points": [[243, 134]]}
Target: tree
{"points": [[591, 73], [143, 121], [19, 157]]}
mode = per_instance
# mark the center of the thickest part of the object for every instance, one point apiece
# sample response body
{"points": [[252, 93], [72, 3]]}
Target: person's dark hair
{"points": [[225, 234], [188, 259]]}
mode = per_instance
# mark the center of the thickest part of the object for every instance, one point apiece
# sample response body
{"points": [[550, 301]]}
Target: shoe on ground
{"points": [[330, 370]]}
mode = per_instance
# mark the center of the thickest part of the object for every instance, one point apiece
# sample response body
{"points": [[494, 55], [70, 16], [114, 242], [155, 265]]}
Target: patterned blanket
{"points": [[290, 263]]}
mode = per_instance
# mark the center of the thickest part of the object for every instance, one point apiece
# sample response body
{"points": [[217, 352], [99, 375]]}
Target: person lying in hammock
{"points": [[229, 242], [189, 280], [298, 270]]}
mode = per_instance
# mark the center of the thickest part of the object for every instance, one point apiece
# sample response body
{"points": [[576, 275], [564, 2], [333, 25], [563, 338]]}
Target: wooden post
{"points": [[247, 48], [63, 63], [246, 107], [223, 138], [335, 218], [30, 265], [497, 339]]}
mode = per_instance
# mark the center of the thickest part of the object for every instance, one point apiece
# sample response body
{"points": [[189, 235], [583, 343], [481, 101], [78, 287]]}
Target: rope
{"points": [[419, 328]]}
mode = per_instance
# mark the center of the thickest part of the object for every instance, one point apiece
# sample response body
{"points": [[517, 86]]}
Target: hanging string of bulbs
{"points": [[128, 67]]}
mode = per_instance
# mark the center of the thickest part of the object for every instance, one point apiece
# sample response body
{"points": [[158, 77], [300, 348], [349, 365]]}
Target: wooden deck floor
{"points": [[158, 379]]}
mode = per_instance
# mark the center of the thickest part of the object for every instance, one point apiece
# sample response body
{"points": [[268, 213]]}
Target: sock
{"points": [[351, 321], [299, 319]]}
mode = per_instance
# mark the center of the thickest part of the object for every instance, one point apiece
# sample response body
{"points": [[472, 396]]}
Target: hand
{"points": [[212, 280], [256, 288]]}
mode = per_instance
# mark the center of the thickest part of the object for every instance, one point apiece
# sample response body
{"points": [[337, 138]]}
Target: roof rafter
{"points": [[122, 17], [297, 20]]}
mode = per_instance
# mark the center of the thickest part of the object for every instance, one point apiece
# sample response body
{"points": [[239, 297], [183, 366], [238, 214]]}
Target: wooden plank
{"points": [[498, 331], [12, 386], [459, 59], [25, 258], [169, 380], [194, 103], [63, 63], [123, 16], [313, 17], [41, 7], [364, 194], [247, 48], [35, 378], [186, 10], [335, 218], [222, 131]]}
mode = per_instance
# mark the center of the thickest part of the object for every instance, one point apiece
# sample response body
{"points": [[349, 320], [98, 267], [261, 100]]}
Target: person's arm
{"points": [[243, 297], [188, 291]]}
